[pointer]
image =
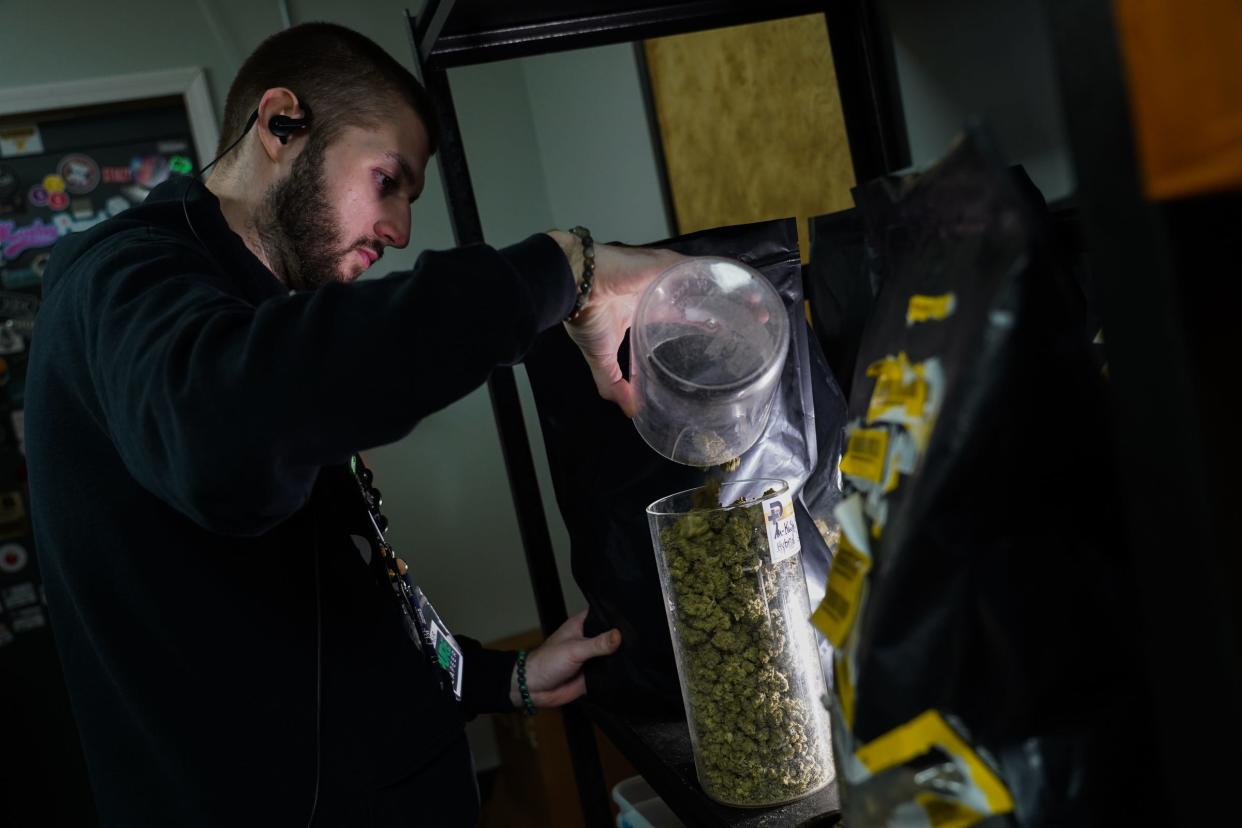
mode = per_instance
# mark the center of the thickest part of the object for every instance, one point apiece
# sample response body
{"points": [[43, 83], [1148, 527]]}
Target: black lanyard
{"points": [[391, 570]]}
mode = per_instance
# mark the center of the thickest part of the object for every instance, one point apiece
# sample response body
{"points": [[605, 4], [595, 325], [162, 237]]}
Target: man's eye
{"points": [[386, 182]]}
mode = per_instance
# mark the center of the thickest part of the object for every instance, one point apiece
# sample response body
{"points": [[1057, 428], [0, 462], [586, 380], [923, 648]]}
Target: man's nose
{"points": [[394, 232]]}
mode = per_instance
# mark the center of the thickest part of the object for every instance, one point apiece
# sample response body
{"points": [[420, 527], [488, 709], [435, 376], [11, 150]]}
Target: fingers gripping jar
{"points": [[738, 611]]}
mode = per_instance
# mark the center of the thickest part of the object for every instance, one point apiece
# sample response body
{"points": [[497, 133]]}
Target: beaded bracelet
{"points": [[588, 270], [522, 688]]}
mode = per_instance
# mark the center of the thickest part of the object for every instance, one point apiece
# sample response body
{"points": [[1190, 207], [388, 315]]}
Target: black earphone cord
{"points": [[282, 127], [185, 191]]}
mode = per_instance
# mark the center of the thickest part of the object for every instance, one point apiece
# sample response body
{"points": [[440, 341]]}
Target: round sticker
{"points": [[11, 342], [9, 182], [13, 557], [58, 200], [37, 196], [80, 172], [11, 199], [39, 263], [54, 183], [149, 170]]}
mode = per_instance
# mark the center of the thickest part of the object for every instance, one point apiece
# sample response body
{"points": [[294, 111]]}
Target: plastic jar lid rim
{"points": [[781, 486]]}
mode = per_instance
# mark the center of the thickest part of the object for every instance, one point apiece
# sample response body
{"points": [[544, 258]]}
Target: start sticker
{"points": [[783, 540]]}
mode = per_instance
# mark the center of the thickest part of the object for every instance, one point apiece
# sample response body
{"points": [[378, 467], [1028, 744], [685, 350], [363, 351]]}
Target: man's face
{"points": [[341, 205]]}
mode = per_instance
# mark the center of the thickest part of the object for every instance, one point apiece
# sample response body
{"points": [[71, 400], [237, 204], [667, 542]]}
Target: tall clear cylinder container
{"points": [[738, 611]]}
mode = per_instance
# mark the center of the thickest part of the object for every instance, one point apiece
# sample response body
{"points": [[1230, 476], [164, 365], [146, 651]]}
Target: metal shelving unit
{"points": [[450, 33], [1170, 351]]}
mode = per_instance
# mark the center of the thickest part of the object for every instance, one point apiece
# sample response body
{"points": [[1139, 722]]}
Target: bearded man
{"points": [[205, 369]]}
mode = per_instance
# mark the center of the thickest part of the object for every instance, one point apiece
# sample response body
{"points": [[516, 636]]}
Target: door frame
{"points": [[188, 83]]}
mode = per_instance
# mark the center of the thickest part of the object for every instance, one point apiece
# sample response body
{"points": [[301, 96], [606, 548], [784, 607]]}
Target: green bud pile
{"points": [[757, 740]]}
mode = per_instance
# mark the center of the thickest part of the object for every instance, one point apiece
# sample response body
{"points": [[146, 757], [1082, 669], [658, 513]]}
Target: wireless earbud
{"points": [[282, 126]]}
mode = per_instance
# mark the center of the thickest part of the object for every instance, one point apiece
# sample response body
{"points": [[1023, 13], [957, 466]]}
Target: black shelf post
{"points": [[519, 464], [862, 53], [1167, 325]]}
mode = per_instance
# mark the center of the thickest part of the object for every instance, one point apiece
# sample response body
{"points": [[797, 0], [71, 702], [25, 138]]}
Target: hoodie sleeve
{"points": [[485, 678], [226, 410]]}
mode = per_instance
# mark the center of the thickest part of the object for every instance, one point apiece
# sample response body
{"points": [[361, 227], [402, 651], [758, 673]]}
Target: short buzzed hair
{"points": [[344, 78]]}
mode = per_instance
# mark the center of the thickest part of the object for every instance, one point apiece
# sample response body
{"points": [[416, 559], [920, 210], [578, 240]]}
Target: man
{"points": [[203, 361]]}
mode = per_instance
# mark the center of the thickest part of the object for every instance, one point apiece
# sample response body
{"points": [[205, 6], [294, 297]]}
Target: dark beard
{"points": [[296, 226]]}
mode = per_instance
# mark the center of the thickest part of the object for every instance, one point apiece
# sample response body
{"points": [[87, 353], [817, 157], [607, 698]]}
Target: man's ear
{"points": [[278, 102]]}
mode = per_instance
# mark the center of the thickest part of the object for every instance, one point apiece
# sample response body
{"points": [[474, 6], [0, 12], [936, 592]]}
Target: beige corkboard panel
{"points": [[750, 123]]}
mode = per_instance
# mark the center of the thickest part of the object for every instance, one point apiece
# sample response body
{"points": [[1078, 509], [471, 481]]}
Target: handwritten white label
{"points": [[783, 541]]}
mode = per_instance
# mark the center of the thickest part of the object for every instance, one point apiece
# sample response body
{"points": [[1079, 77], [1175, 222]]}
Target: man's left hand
{"points": [[554, 669]]}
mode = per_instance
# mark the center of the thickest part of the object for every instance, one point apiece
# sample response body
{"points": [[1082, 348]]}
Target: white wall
{"points": [[598, 161], [961, 58]]}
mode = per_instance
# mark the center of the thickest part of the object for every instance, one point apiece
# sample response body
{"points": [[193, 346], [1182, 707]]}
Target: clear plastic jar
{"points": [[708, 343], [737, 608]]}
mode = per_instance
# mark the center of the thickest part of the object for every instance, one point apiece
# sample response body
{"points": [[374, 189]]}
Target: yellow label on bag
{"points": [[837, 612], [929, 730], [945, 813], [929, 308], [845, 686], [898, 384], [865, 453], [893, 478]]}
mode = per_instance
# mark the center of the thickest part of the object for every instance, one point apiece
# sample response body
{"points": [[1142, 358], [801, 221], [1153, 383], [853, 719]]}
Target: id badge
{"points": [[443, 645]]}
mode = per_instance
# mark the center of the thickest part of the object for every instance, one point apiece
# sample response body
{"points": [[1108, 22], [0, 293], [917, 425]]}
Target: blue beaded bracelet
{"points": [[522, 688]]}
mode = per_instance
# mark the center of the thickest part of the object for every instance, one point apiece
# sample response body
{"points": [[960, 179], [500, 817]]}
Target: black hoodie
{"points": [[181, 405]]}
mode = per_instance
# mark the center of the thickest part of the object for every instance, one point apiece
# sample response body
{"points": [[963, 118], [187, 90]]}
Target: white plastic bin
{"points": [[640, 807]]}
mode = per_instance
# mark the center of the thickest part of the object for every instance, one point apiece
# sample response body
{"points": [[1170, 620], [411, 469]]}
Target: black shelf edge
{"points": [[507, 42], [659, 749]]}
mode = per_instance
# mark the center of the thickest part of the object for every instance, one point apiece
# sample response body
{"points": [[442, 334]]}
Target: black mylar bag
{"points": [[987, 665], [605, 475]]}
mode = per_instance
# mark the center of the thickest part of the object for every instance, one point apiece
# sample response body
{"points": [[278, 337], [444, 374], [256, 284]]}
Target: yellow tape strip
{"points": [[928, 308], [836, 613], [844, 685], [945, 813], [916, 737]]}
